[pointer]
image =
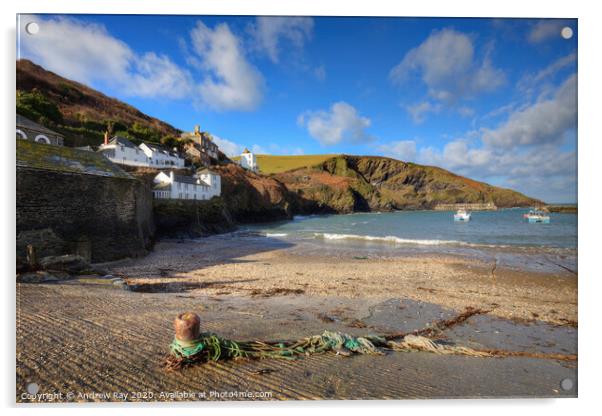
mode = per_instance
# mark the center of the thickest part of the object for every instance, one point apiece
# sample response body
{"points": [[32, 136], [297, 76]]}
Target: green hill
{"points": [[79, 112], [363, 183], [269, 164]]}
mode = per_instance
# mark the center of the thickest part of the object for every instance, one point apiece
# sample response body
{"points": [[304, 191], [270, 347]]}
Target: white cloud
{"points": [[404, 150], [544, 122], [341, 123], [320, 73], [270, 32], [446, 63], [231, 82], [228, 147], [546, 29], [531, 82], [87, 52], [546, 172], [465, 111], [419, 110]]}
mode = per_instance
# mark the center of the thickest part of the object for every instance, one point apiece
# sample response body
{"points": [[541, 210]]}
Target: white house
{"points": [[248, 161], [121, 150], [159, 157], [172, 186], [212, 179]]}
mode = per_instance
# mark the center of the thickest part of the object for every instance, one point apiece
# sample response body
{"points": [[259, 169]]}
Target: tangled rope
{"points": [[206, 347], [210, 347]]}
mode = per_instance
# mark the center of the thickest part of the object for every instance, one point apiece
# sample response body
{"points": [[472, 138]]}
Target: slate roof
{"points": [[122, 141], [32, 125], [160, 149]]}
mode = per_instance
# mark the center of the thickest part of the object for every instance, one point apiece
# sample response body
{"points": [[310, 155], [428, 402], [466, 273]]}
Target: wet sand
{"points": [[92, 341]]}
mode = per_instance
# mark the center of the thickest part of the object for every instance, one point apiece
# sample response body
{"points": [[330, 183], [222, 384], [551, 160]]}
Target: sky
{"points": [[491, 99]]}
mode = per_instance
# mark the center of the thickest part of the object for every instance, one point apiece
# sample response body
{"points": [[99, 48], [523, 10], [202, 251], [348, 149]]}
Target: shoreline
{"points": [[237, 266], [247, 291]]}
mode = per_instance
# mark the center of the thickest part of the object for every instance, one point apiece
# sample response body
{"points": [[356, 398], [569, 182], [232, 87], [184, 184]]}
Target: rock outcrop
{"points": [[345, 184], [250, 197]]}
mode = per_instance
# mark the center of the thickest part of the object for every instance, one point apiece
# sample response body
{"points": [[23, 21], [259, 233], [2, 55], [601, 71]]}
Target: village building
{"points": [[158, 156], [248, 160], [30, 130], [122, 151], [202, 147], [202, 186]]}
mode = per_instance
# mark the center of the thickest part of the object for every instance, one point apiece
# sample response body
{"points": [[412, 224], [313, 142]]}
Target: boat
{"points": [[462, 215], [537, 216]]}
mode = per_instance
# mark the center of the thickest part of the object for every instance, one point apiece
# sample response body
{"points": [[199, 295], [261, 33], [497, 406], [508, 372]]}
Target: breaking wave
{"points": [[397, 240]]}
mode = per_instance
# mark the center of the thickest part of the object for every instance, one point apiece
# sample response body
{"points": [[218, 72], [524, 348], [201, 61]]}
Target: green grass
{"points": [[275, 164], [66, 159]]}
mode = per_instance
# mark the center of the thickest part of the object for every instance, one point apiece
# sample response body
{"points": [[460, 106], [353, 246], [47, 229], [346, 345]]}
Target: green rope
{"points": [[179, 350], [210, 347]]}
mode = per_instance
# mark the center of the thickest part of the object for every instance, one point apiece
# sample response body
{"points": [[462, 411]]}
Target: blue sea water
{"points": [[504, 228]]}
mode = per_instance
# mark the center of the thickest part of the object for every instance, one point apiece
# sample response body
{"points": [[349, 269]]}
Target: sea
{"points": [[503, 235]]}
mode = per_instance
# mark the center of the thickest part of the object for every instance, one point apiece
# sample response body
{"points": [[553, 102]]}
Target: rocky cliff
{"points": [[250, 197]]}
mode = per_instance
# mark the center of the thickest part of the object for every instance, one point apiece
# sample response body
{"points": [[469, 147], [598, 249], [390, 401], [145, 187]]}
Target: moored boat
{"points": [[537, 216], [462, 215]]}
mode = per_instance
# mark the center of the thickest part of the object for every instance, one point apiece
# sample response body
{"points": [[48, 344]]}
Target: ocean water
{"points": [[504, 232], [502, 228]]}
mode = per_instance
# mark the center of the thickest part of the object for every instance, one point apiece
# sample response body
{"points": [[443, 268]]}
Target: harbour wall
{"points": [[102, 218]]}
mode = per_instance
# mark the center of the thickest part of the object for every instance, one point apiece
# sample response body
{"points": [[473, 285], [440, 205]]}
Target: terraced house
{"points": [[122, 151], [202, 186], [30, 130], [158, 156], [202, 147]]}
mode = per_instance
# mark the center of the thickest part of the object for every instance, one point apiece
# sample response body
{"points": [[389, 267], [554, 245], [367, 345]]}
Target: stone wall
{"points": [[185, 218], [104, 218]]}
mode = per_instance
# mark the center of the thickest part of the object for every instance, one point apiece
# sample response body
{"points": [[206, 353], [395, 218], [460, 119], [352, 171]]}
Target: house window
{"points": [[42, 139]]}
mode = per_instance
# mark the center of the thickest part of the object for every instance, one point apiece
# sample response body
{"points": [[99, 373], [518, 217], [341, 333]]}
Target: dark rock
{"points": [[178, 218], [37, 277], [45, 241], [69, 263]]}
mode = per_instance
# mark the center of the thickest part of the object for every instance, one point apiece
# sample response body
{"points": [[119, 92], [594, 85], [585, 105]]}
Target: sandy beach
{"points": [[87, 335], [233, 266]]}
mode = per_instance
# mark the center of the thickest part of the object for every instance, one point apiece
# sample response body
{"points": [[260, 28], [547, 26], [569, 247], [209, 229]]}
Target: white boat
{"points": [[537, 216], [462, 215]]}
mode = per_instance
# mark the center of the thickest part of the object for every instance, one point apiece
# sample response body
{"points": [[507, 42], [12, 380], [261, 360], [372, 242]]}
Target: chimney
{"points": [[106, 137]]}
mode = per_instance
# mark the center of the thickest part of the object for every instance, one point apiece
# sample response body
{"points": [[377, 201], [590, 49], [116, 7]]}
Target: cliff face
{"points": [[364, 183], [253, 198]]}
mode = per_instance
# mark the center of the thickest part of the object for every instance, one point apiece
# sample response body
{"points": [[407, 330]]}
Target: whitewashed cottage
{"points": [[248, 160], [159, 156], [122, 151], [202, 186]]}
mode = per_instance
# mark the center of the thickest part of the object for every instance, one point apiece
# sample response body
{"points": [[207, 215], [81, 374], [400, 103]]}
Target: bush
{"points": [[35, 106]]}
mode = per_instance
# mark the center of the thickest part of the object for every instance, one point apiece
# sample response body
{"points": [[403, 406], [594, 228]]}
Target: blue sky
{"points": [[493, 99]]}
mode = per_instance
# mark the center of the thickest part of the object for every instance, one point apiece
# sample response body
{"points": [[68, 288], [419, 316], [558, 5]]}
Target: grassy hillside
{"points": [[269, 164], [362, 183], [79, 112]]}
